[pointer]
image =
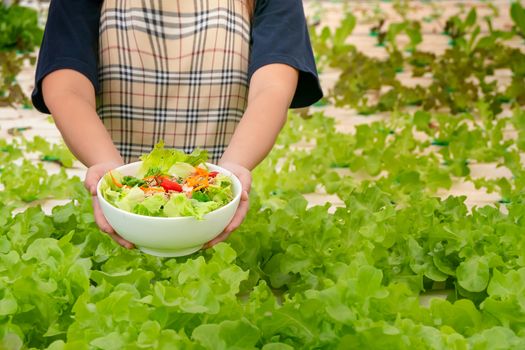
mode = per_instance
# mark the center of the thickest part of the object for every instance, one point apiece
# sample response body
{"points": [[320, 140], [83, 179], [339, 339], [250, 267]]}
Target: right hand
{"points": [[93, 175]]}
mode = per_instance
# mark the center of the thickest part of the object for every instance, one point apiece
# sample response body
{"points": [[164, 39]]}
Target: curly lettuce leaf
{"points": [[151, 206], [160, 160]]}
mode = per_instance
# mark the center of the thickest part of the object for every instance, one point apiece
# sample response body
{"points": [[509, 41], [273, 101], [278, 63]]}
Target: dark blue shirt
{"points": [[279, 35]]}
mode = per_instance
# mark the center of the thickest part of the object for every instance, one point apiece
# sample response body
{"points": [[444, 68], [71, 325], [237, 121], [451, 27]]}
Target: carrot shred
{"points": [[199, 180], [118, 184], [151, 189], [192, 181], [201, 171]]}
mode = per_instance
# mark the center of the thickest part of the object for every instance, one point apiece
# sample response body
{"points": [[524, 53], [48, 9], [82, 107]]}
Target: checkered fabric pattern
{"points": [[175, 70]]}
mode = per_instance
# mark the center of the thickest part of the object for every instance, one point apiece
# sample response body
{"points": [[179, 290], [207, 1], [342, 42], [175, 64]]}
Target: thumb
{"points": [[95, 172], [93, 175]]}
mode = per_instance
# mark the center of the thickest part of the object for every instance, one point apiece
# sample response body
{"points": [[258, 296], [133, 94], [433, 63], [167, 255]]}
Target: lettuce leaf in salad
{"points": [[151, 206], [181, 170], [202, 208], [198, 156], [160, 160], [109, 190], [123, 198], [130, 198], [221, 190], [179, 205]]}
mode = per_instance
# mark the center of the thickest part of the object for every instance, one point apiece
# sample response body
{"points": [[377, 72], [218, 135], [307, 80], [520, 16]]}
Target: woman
{"points": [[120, 75]]}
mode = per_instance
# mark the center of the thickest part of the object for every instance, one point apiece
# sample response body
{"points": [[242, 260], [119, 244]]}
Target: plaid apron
{"points": [[175, 70]]}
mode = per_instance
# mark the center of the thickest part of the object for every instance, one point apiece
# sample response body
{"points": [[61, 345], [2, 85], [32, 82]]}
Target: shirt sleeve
{"points": [[70, 42], [280, 35]]}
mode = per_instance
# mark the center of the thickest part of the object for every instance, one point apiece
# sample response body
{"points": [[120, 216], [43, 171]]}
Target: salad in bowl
{"points": [[169, 183], [169, 203]]}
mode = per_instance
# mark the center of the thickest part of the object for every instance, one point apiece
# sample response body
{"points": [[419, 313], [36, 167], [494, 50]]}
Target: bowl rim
{"points": [[174, 218]]}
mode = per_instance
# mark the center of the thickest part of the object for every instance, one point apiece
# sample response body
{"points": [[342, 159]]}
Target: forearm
{"points": [[256, 133], [70, 98], [271, 92]]}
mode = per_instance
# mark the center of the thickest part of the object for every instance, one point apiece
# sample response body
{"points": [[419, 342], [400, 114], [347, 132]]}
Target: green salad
{"points": [[169, 183]]}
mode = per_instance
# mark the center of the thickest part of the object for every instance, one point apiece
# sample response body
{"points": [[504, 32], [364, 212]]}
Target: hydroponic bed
{"points": [[389, 216]]}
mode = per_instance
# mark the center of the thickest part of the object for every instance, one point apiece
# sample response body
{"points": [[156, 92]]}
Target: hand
{"points": [[93, 175], [245, 177]]}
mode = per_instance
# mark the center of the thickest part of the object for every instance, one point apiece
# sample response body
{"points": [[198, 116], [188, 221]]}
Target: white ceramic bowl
{"points": [[169, 237]]}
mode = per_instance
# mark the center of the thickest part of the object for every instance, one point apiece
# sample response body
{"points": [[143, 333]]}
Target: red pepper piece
{"points": [[160, 178], [213, 174], [170, 185]]}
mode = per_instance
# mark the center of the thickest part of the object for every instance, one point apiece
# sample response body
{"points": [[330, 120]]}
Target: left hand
{"points": [[245, 177]]}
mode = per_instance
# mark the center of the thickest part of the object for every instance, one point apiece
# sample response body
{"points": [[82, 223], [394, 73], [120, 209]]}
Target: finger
{"points": [[93, 175], [100, 219], [121, 241], [238, 217], [217, 240], [246, 181], [244, 176], [244, 205], [104, 225]]}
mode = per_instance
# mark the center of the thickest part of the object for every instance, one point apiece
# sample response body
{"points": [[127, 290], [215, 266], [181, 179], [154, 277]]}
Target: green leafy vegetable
{"points": [[362, 272]]}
